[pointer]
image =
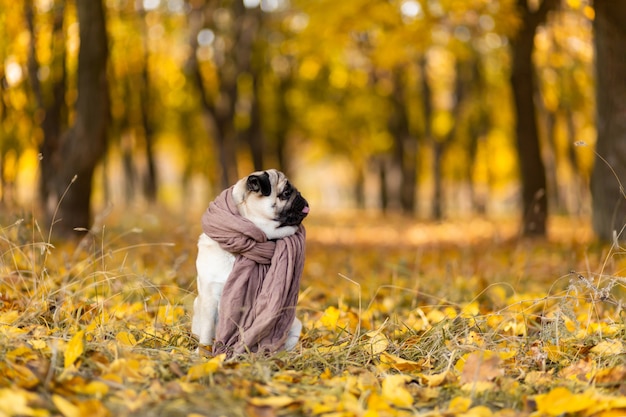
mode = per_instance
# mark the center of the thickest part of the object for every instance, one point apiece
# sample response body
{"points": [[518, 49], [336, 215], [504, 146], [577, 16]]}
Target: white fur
{"points": [[214, 264]]}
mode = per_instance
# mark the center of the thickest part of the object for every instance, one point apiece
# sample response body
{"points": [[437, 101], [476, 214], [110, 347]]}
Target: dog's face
{"points": [[268, 200]]}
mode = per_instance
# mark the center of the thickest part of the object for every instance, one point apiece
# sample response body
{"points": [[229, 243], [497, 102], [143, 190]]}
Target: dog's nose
{"points": [[305, 205]]}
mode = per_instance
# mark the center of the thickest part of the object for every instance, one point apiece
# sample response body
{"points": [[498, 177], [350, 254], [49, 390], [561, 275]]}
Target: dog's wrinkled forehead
{"points": [[281, 181], [267, 182]]}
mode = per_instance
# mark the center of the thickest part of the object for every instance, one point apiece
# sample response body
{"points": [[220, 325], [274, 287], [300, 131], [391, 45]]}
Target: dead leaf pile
{"points": [[470, 326]]}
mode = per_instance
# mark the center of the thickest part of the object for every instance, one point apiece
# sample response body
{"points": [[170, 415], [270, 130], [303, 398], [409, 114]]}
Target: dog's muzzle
{"points": [[294, 215]]}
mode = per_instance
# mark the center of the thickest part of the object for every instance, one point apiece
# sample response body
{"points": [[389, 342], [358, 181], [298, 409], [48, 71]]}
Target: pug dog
{"points": [[275, 206]]}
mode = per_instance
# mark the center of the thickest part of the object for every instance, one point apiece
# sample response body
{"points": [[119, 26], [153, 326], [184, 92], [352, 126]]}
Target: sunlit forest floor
{"points": [[400, 317]]}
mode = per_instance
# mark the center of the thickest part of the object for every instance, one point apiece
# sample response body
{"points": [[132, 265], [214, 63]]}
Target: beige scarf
{"points": [[258, 304]]}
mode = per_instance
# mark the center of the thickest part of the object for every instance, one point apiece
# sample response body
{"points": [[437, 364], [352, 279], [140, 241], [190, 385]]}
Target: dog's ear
{"points": [[260, 183]]}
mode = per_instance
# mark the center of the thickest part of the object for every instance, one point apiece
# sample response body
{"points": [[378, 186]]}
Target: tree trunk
{"points": [[53, 108], [478, 128], [282, 129], [427, 107], [555, 197], [128, 167], [150, 181], [609, 172], [359, 186], [84, 144], [249, 60], [437, 207], [532, 170], [254, 134], [219, 113], [440, 144], [405, 152], [384, 189]]}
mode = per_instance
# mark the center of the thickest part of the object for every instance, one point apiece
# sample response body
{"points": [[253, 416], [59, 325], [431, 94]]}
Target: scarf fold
{"points": [[258, 303]]}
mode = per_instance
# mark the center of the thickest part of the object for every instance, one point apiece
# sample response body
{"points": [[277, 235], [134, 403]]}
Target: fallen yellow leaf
{"points": [[459, 404], [470, 310], [612, 413], [479, 386], [608, 348], [206, 368], [351, 404], [332, 348], [11, 331], [611, 375], [562, 401], [14, 402], [278, 401], [554, 352], [66, 407], [436, 380], [435, 316], [480, 366], [20, 375], [22, 353], [112, 377], [126, 338], [323, 404], [38, 344], [583, 370], [394, 390], [74, 349], [367, 382], [9, 317], [607, 403], [539, 378], [375, 343], [479, 411], [93, 408], [330, 317], [97, 389], [399, 363]]}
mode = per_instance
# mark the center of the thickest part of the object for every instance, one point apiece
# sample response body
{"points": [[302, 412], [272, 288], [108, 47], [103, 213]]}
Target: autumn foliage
{"points": [[400, 318]]}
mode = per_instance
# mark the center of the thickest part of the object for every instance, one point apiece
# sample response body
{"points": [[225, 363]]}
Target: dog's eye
{"points": [[285, 194]]}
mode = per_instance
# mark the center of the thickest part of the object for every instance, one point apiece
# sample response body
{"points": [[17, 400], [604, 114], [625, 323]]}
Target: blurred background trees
{"points": [[432, 108], [607, 183], [69, 153], [523, 84]]}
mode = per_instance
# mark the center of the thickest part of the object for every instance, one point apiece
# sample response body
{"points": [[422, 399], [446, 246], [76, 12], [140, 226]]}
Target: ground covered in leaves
{"points": [[400, 318]]}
